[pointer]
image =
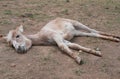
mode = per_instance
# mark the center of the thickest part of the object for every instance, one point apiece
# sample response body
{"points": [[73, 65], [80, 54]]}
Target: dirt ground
{"points": [[48, 62]]}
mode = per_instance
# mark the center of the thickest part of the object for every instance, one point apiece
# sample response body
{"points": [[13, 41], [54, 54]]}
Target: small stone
{"points": [[13, 65], [29, 64], [80, 51], [97, 49]]}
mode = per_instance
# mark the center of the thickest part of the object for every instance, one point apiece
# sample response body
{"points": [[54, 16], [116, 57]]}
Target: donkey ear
{"points": [[20, 28], [8, 37]]}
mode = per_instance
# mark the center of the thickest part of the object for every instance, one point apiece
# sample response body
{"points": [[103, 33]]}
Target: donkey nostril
{"points": [[21, 49], [18, 47]]}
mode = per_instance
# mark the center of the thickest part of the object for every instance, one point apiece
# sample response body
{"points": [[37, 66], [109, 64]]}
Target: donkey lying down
{"points": [[57, 32]]}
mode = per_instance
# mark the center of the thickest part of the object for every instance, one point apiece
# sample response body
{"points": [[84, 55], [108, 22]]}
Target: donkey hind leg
{"points": [[59, 40], [79, 47], [103, 35], [106, 34], [79, 25], [78, 33]]}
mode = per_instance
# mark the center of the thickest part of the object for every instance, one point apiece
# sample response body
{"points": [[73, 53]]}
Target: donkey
{"points": [[57, 32]]}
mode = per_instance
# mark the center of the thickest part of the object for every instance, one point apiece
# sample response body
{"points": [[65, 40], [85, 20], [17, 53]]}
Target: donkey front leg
{"points": [[66, 49], [79, 47]]}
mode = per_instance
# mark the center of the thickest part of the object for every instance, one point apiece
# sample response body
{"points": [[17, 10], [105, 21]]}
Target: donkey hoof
{"points": [[78, 60], [98, 53]]}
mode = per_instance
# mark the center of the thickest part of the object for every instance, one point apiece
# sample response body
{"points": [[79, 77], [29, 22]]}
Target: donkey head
{"points": [[19, 41]]}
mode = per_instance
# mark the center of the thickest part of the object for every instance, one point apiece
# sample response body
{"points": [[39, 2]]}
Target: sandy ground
{"points": [[48, 62]]}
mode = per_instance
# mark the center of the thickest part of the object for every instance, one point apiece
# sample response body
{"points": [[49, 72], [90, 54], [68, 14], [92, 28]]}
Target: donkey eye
{"points": [[17, 36]]}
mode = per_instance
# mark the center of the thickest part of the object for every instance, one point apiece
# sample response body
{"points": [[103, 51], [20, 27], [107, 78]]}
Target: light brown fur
{"points": [[58, 32]]}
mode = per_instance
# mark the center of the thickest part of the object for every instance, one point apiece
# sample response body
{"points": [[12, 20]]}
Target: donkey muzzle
{"points": [[21, 50]]}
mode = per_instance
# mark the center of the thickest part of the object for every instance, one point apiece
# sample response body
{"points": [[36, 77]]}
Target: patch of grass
{"points": [[2, 71], [35, 16], [67, 0], [104, 68], [118, 72], [79, 72], [27, 15], [50, 59], [89, 14], [112, 6], [8, 12], [118, 58], [5, 22], [104, 65], [91, 40], [46, 58], [5, 71], [65, 11]]}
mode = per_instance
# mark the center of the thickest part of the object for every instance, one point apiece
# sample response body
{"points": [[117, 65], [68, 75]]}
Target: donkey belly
{"points": [[64, 29], [68, 36]]}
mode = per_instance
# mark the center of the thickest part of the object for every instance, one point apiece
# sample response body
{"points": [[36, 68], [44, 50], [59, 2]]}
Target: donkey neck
{"points": [[35, 38]]}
